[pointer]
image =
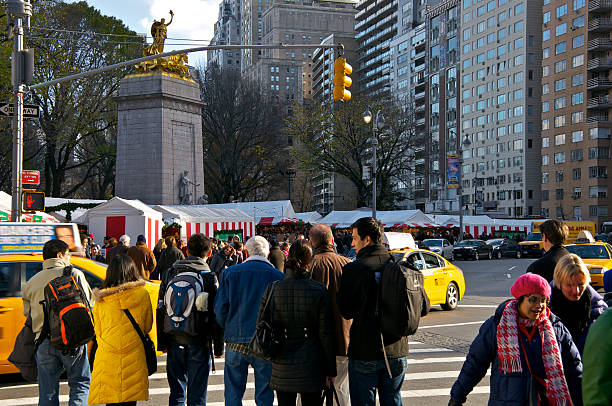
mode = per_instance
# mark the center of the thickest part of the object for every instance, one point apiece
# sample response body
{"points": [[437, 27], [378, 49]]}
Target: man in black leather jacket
{"points": [[357, 301], [554, 233]]}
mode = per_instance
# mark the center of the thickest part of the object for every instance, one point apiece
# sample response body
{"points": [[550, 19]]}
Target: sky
{"points": [[193, 19]]}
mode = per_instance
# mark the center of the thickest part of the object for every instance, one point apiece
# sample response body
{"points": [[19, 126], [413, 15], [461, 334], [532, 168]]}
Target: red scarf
{"points": [[508, 351]]}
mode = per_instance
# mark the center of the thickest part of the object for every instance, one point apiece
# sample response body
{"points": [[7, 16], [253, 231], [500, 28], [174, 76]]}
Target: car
{"points": [[472, 249], [505, 247], [532, 245], [596, 255], [15, 271], [444, 282], [440, 246]]}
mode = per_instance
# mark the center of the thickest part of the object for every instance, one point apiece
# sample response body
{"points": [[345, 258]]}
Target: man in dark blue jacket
{"points": [[236, 308]]}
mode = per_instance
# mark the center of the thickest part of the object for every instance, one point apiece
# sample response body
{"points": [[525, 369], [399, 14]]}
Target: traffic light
{"points": [[33, 201], [341, 79]]}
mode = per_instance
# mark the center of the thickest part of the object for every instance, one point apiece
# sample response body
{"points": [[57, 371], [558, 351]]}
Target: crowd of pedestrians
{"points": [[323, 310]]}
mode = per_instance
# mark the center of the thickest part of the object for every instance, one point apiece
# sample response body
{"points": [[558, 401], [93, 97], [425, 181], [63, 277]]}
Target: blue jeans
{"points": [[187, 368], [235, 378], [365, 377], [50, 363]]}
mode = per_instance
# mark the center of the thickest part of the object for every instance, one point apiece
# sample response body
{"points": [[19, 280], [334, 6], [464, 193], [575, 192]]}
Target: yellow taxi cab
{"points": [[16, 270], [444, 282], [596, 255]]}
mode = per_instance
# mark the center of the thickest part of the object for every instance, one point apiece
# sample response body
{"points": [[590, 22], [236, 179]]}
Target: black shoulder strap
{"points": [[136, 326], [67, 271]]}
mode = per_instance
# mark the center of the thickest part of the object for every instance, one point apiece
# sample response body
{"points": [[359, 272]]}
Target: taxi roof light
{"points": [[584, 237]]}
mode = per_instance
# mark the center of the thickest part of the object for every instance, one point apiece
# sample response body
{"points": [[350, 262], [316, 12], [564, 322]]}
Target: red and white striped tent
{"points": [[206, 220], [390, 219], [476, 225], [513, 225], [121, 216], [268, 213]]}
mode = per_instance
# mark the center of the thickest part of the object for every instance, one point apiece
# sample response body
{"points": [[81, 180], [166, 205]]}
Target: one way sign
{"points": [[29, 110]]}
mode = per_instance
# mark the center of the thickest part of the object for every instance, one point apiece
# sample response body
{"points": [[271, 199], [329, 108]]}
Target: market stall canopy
{"points": [[445, 220], [309, 217], [6, 201], [395, 218], [265, 213], [61, 214], [207, 220], [118, 216]]}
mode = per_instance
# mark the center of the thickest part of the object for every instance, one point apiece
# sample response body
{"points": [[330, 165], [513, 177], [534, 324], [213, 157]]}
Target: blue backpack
{"points": [[180, 303]]}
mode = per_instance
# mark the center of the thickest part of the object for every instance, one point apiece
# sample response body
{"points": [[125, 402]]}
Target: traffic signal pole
{"points": [[18, 10]]}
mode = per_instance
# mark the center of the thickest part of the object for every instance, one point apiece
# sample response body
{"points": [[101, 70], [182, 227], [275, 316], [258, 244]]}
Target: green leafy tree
{"points": [[334, 138], [76, 130]]}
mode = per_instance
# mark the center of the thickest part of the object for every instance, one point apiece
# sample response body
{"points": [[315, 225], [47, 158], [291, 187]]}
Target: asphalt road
{"points": [[437, 350]]}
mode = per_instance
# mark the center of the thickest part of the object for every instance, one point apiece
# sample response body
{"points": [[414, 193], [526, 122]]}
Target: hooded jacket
{"points": [[120, 367], [512, 389]]}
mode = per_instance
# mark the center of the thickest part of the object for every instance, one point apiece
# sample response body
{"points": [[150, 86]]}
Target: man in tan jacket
{"points": [[327, 268], [50, 360], [143, 257]]}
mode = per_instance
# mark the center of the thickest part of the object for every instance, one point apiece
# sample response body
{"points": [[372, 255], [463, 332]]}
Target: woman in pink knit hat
{"points": [[532, 356]]}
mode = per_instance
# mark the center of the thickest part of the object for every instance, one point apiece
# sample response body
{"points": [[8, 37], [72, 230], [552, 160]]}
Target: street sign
{"points": [[29, 110], [33, 201], [30, 177]]}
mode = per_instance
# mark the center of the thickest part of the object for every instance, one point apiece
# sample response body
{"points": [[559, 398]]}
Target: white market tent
{"points": [[6, 202], [309, 217], [445, 220], [264, 213], [206, 220], [396, 218], [121, 216]]}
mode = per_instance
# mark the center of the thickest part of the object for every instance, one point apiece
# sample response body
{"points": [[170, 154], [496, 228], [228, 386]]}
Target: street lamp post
{"points": [[378, 122], [465, 143]]}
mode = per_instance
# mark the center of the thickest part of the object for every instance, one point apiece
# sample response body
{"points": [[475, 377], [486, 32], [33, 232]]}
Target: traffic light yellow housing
{"points": [[341, 79]]}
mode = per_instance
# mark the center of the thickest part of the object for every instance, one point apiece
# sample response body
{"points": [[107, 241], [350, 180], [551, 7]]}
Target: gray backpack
{"points": [[180, 303]]}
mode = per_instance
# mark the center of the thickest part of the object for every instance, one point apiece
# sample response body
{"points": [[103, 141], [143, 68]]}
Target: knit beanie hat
{"points": [[529, 284]]}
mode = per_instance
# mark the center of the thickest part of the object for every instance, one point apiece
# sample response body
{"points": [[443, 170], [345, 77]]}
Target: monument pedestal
{"points": [[159, 137]]}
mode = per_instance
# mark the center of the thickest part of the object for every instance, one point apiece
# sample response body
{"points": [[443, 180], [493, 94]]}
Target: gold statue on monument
{"points": [[174, 64]]}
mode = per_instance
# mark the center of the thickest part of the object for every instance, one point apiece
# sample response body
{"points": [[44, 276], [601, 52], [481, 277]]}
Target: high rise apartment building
{"points": [[500, 92], [227, 32], [576, 109], [442, 103], [332, 191], [376, 26]]}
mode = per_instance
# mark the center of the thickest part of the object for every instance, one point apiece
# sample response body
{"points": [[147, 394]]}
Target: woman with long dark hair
{"points": [[301, 318], [119, 373]]}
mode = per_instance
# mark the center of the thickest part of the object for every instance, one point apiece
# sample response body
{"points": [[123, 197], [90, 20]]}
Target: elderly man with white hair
{"points": [[236, 307]]}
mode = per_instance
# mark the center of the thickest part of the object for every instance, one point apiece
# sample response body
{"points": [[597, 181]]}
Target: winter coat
{"points": [[24, 352], [578, 316], [301, 318], [597, 358], [277, 258], [545, 266], [357, 301], [512, 389], [168, 257], [326, 268], [220, 261], [239, 295], [143, 259], [120, 367]]}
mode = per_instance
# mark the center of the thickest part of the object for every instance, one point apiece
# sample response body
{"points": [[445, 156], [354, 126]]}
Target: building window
{"points": [[578, 60], [559, 194], [545, 88], [545, 160], [578, 41], [577, 117], [576, 155], [599, 153], [545, 195], [578, 4], [545, 124], [560, 84], [578, 79], [560, 103], [576, 173], [559, 157], [559, 121], [546, 17], [577, 136], [560, 29], [560, 47], [544, 178], [578, 22], [577, 98], [561, 10], [560, 66], [545, 53]]}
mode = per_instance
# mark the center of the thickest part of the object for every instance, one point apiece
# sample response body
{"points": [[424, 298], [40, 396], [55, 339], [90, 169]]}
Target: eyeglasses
{"points": [[537, 299]]}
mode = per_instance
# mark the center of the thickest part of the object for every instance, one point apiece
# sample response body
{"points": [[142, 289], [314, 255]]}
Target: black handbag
{"points": [[329, 394], [263, 344], [149, 346]]}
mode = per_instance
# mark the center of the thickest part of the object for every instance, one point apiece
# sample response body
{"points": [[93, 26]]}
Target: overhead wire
{"points": [[114, 35]]}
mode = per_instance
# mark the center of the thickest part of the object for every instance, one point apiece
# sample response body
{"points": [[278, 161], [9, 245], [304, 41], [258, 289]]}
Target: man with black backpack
{"points": [[186, 323], [385, 299], [53, 310]]}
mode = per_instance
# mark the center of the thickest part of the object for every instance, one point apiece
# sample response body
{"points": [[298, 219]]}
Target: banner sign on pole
{"points": [[452, 172], [22, 238]]}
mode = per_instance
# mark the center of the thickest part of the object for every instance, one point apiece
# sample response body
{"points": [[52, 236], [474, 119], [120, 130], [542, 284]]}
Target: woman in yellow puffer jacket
{"points": [[120, 368]]}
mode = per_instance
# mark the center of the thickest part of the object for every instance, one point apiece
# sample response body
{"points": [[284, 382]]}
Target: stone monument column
{"points": [[159, 139]]}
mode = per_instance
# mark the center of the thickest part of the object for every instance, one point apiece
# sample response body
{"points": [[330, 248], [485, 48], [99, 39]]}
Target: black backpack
{"points": [[402, 300], [68, 318]]}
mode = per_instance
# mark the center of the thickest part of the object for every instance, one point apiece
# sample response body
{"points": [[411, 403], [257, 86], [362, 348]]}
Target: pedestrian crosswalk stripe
{"points": [[433, 375], [426, 350], [425, 393], [435, 360]]}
